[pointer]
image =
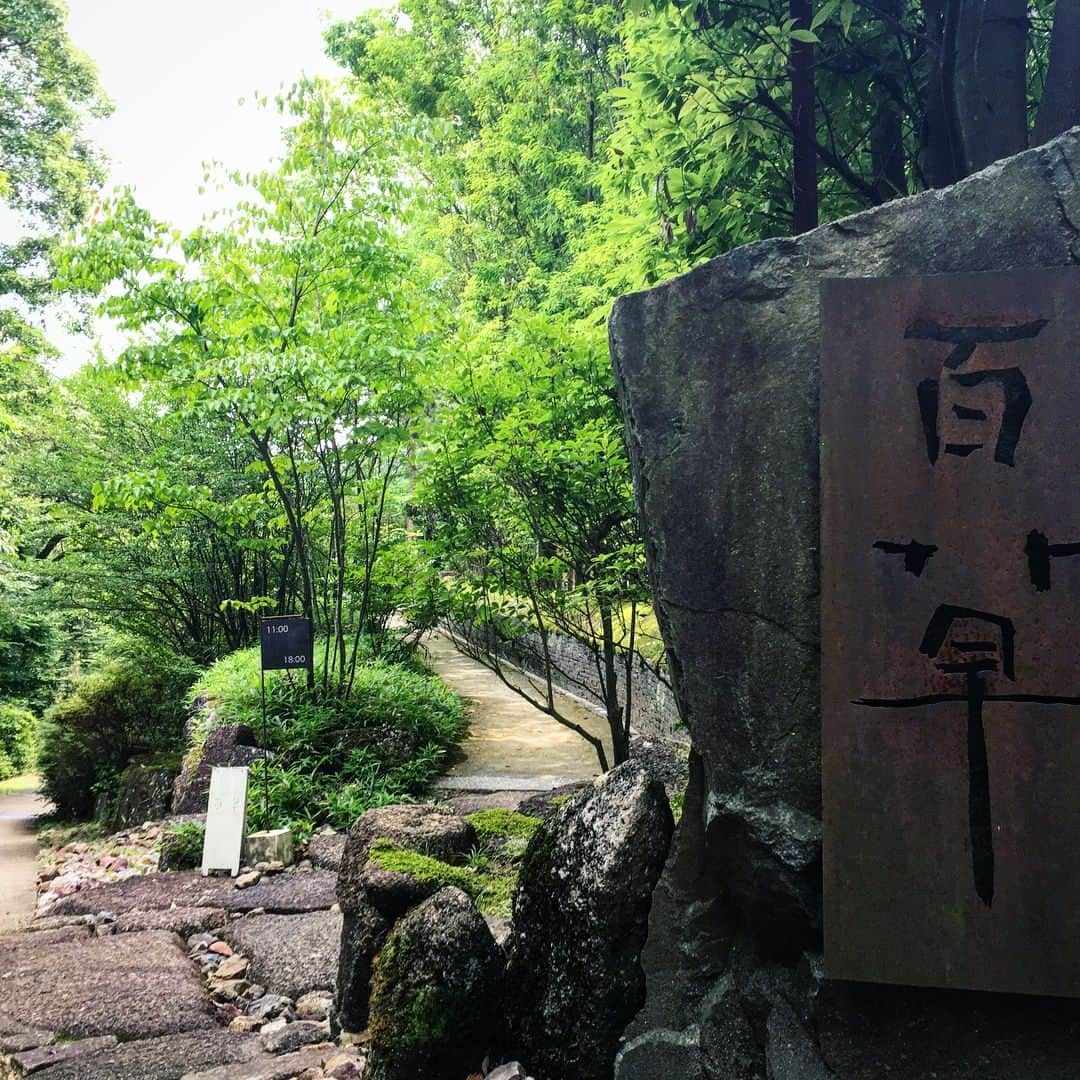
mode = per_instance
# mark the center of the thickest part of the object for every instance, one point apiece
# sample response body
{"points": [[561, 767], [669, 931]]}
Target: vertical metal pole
{"points": [[266, 751]]}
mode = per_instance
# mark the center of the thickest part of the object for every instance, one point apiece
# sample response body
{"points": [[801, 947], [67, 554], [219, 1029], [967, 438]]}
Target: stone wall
{"points": [[717, 374]]}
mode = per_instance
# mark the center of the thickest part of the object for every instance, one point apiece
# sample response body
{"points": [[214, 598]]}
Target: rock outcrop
{"points": [[230, 745], [436, 995], [369, 917], [580, 917], [717, 375]]}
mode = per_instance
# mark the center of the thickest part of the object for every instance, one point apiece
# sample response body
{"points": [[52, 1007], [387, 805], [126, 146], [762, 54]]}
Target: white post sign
{"points": [[226, 820]]}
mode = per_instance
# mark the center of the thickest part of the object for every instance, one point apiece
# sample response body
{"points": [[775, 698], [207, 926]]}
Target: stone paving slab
{"points": [[282, 894], [267, 1066], [168, 1057], [33, 1061], [133, 986], [184, 921], [290, 955]]}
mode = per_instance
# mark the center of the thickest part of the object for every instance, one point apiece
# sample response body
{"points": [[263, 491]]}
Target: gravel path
{"points": [[18, 850]]}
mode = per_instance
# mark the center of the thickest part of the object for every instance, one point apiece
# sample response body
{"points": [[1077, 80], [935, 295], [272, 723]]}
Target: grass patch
{"points": [[18, 785], [334, 757]]}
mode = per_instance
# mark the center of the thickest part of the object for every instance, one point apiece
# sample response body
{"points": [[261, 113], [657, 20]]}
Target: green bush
{"points": [[333, 757], [132, 701], [17, 739]]}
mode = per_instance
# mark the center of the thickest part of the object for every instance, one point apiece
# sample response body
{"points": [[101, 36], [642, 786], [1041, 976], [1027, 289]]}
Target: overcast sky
{"points": [[183, 75]]}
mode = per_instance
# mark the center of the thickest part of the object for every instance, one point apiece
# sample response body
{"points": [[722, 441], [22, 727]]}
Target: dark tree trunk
{"points": [[941, 155], [991, 80], [805, 188], [1060, 107]]}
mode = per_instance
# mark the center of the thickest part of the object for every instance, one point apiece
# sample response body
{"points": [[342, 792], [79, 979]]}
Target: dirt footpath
{"points": [[511, 745], [18, 851]]}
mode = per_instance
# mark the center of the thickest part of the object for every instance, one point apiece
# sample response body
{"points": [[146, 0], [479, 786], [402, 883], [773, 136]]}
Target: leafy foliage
{"points": [[130, 702], [333, 757], [18, 731]]}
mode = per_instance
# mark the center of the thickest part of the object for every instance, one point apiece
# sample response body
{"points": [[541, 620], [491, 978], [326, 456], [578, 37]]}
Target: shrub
{"points": [[182, 847], [131, 702], [17, 739], [333, 757]]}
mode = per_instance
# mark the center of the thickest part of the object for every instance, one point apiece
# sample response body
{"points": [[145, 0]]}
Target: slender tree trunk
{"points": [[801, 63], [620, 746], [991, 80], [1060, 108], [939, 153], [887, 133]]}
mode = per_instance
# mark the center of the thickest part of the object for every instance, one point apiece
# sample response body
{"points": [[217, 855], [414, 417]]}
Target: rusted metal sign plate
{"points": [[950, 426]]}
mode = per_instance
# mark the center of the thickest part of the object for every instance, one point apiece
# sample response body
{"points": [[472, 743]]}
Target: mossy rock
{"points": [[436, 994], [182, 847], [498, 823], [143, 791], [491, 889]]}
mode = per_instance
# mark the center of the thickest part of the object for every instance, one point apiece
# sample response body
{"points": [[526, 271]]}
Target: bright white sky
{"points": [[183, 75]]}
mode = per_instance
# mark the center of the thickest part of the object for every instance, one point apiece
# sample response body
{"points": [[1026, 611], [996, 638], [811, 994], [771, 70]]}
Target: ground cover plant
{"points": [[333, 756]]}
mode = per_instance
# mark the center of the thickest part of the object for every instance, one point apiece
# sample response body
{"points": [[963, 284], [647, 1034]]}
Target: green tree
{"points": [[535, 513], [293, 320], [48, 170]]}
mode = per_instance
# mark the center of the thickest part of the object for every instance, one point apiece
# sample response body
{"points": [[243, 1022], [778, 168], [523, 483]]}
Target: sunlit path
{"points": [[18, 850], [511, 745]]}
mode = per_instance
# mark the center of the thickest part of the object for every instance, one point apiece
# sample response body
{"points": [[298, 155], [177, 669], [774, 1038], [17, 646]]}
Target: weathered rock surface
{"points": [[325, 850], [363, 932], [436, 1006], [717, 374], [168, 1057], [265, 1066], [133, 986], [232, 744], [42, 1057], [144, 791], [580, 918], [280, 894], [289, 954], [431, 830]]}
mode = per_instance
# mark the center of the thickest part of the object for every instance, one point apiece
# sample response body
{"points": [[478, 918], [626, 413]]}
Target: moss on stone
{"points": [[498, 823], [492, 890]]}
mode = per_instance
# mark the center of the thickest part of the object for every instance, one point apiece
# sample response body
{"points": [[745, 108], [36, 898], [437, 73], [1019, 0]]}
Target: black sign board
{"points": [[286, 642]]}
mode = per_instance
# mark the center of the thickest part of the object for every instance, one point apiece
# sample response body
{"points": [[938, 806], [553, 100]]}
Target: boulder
{"points": [[290, 955], [430, 830], [231, 744], [325, 850], [436, 996], [144, 791], [580, 918], [717, 376], [363, 933], [368, 917]]}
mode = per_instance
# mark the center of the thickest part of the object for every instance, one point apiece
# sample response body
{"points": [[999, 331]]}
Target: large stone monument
{"points": [[719, 378]]}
